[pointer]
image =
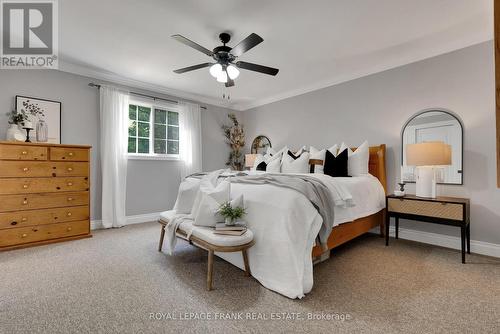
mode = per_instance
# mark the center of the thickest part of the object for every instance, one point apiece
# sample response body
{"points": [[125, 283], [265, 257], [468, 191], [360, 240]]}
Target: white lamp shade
{"points": [[222, 77], [233, 72], [428, 154], [215, 70]]}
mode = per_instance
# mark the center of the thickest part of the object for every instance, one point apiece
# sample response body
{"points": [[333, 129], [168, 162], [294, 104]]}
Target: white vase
{"points": [[14, 133]]}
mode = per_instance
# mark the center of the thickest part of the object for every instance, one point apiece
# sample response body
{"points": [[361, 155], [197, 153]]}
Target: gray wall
{"points": [[376, 107], [151, 185]]}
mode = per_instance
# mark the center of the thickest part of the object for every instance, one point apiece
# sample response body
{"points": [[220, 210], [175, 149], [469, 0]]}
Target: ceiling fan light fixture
{"points": [[233, 72], [222, 77], [215, 70]]}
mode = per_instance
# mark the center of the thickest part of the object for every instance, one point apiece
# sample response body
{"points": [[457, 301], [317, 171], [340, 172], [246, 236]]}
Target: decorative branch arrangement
{"points": [[235, 138]]}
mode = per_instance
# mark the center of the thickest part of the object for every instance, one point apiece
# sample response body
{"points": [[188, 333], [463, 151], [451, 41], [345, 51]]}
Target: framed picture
{"points": [[51, 115]]}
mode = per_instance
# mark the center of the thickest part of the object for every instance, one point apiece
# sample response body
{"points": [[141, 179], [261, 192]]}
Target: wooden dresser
{"points": [[44, 193]]}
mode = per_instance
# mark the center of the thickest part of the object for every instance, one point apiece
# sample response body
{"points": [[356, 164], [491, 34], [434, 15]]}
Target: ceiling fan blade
{"points": [[192, 68], [257, 68], [246, 44], [192, 44]]}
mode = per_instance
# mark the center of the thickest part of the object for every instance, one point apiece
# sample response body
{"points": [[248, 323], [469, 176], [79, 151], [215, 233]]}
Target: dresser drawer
{"points": [[22, 152], [425, 208], [10, 203], [43, 185], [69, 154], [15, 236], [43, 217], [42, 169]]}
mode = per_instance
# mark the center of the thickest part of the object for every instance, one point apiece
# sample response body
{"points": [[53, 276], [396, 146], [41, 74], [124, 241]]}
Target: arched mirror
{"points": [[260, 145], [431, 126]]}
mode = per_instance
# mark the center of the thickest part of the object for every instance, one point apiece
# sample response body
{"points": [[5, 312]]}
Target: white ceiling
{"points": [[314, 43]]}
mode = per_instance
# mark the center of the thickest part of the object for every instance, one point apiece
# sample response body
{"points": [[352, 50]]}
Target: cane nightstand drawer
{"points": [[69, 154], [42, 201], [22, 152], [17, 236], [43, 185], [42, 169], [443, 210], [43, 217]]}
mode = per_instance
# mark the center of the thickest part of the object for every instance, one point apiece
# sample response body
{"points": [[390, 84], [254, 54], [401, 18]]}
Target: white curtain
{"points": [[114, 142], [190, 139]]}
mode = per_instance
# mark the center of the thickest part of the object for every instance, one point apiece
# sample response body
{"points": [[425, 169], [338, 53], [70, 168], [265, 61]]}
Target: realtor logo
{"points": [[29, 34]]}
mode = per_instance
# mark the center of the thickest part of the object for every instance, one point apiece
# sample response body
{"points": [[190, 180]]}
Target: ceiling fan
{"points": [[225, 68]]}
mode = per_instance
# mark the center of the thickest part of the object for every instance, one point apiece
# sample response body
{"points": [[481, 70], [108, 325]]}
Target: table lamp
{"points": [[249, 160], [426, 156]]}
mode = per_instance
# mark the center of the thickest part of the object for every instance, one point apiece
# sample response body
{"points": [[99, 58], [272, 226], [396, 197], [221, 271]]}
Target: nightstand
{"points": [[441, 210]]}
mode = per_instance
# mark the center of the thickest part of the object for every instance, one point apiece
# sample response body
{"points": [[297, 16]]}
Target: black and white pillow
{"points": [[358, 160], [316, 154], [271, 162], [291, 163], [336, 166]]}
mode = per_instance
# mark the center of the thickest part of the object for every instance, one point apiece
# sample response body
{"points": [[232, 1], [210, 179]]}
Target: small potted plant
{"points": [[230, 214]]}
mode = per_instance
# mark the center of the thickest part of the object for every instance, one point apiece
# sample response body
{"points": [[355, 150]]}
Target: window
{"points": [[153, 131]]}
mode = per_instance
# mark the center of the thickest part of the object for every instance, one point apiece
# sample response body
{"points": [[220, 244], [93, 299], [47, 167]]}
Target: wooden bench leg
{"points": [[162, 235], [245, 260], [210, 269]]}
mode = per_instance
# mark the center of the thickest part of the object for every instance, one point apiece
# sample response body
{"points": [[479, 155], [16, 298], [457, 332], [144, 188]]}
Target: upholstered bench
{"points": [[203, 237]]}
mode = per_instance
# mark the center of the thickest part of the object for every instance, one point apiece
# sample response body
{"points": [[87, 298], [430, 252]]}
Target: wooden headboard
{"points": [[376, 163]]}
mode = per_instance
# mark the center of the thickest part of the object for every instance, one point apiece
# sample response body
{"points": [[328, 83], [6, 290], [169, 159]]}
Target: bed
{"points": [[286, 225], [347, 231]]}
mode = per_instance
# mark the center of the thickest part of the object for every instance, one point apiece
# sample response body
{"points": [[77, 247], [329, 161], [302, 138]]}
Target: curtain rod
{"points": [[145, 95]]}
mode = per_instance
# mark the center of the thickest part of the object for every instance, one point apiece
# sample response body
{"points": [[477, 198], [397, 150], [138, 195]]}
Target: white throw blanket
{"points": [[170, 230]]}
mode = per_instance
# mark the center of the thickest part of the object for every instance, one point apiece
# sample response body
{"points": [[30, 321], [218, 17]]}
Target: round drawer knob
{"points": [[69, 214], [70, 199], [70, 184], [24, 219], [24, 235], [25, 169], [25, 186], [70, 169], [69, 228], [24, 152], [70, 154], [13, 223], [25, 202]]}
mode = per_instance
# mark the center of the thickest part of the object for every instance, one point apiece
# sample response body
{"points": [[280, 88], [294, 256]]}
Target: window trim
{"points": [[152, 106]]}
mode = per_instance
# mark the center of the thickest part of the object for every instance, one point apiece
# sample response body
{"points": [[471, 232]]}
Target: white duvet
{"points": [[285, 225]]}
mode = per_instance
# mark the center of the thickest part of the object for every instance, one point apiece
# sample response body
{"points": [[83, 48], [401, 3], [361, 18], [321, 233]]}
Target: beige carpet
{"points": [[113, 281]]}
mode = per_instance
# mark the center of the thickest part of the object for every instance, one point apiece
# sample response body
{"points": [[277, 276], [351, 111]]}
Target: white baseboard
{"points": [[137, 219], [478, 247]]}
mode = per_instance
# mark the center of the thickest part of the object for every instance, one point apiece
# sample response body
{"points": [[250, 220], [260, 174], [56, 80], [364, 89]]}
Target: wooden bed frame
{"points": [[345, 232]]}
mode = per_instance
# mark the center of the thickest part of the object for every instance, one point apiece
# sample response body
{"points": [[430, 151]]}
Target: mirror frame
{"points": [[446, 111], [254, 151]]}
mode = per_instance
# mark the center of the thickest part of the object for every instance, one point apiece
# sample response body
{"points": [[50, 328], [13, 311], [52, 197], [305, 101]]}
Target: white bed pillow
{"points": [[258, 159], [186, 196], [357, 164], [334, 150], [207, 184], [316, 154], [270, 151], [209, 204], [299, 165], [274, 164]]}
